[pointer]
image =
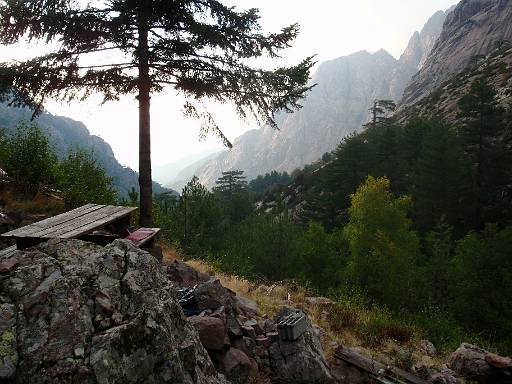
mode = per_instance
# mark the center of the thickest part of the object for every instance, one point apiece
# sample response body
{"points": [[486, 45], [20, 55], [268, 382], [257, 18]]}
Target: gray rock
{"points": [[233, 327], [249, 331], [444, 376], [475, 363], [427, 348], [248, 306], [472, 29], [184, 275], [299, 361], [212, 295], [246, 345], [90, 314]]}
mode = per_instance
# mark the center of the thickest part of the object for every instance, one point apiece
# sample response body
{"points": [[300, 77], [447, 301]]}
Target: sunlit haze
{"points": [[329, 29]]}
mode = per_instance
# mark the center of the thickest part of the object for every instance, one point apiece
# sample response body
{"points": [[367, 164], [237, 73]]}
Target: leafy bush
{"points": [[483, 284], [266, 247], [28, 159], [382, 245], [380, 326], [322, 258], [84, 181]]}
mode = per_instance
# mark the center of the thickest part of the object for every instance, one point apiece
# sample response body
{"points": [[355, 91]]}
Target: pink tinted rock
{"points": [[211, 331]]}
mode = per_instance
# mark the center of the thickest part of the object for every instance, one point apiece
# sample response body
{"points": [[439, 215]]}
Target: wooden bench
{"points": [[143, 237], [76, 224]]}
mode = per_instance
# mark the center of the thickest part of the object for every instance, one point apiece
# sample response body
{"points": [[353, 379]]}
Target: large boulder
{"points": [[76, 312], [298, 361], [235, 365], [211, 295], [475, 363], [211, 331], [184, 275]]}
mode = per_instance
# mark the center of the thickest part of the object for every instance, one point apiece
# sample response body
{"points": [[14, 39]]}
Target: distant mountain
{"points": [[474, 29], [166, 174], [187, 173], [65, 133], [335, 108]]}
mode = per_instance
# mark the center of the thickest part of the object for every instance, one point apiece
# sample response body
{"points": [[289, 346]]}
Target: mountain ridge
{"points": [[336, 107], [65, 134]]}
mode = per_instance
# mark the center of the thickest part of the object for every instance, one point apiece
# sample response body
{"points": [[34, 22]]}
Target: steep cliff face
{"points": [[336, 107], [473, 30], [495, 68], [421, 43]]}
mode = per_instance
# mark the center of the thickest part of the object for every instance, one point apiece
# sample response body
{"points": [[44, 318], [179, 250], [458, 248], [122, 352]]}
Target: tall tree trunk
{"points": [[145, 180]]}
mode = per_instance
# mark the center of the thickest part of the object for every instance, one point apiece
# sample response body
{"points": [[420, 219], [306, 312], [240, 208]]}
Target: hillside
{"points": [[336, 107], [496, 68], [65, 134]]}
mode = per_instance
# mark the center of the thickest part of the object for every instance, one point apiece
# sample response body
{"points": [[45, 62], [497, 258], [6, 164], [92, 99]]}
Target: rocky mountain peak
{"points": [[474, 29], [421, 43], [336, 107]]}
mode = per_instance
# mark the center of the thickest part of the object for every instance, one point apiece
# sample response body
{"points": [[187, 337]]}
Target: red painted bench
{"points": [[142, 236]]}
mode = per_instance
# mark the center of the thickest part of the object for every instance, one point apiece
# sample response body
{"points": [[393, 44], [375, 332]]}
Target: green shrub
{"points": [[266, 246], [380, 326], [322, 258], [440, 328], [28, 159], [83, 181], [382, 245]]}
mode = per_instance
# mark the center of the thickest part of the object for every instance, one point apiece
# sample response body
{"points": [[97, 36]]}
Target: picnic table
{"points": [[80, 223]]}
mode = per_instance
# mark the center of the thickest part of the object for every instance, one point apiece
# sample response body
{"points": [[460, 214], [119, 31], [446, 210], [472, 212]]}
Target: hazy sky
{"points": [[329, 29]]}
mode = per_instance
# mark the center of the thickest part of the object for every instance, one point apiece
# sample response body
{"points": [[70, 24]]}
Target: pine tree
{"points": [[233, 192], [484, 134], [379, 110], [230, 183], [126, 47], [437, 176]]}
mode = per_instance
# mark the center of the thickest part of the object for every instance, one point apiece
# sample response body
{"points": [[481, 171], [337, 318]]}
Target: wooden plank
{"points": [[96, 224], [78, 222], [64, 221], [46, 222], [28, 230], [7, 251], [358, 360], [394, 374]]}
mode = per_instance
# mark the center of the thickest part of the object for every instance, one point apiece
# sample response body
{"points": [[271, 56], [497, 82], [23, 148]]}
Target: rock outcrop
{"points": [[473, 30], [75, 312], [477, 364], [243, 344]]}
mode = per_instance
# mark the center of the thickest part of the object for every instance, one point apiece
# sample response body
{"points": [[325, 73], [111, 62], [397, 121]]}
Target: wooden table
{"points": [[78, 223]]}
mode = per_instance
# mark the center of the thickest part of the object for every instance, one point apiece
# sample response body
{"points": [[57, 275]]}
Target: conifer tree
{"points": [[230, 183], [437, 176], [484, 135], [127, 47], [379, 111]]}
